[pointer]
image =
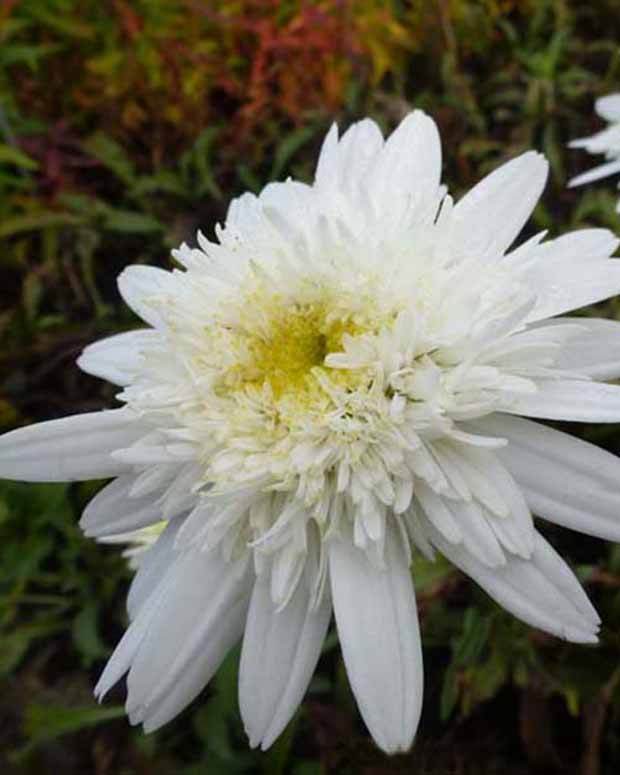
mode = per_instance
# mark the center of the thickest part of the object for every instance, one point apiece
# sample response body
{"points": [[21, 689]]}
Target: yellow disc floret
{"points": [[280, 345]]}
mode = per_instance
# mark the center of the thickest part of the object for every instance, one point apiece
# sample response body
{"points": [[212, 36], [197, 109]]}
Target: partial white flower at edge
{"points": [[325, 393], [606, 142]]}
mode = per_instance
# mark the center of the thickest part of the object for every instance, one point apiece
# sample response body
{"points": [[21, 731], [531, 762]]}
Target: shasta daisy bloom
{"points": [[328, 389], [606, 142]]}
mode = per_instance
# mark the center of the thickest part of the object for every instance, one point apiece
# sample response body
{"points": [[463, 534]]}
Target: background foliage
{"points": [[123, 127]]}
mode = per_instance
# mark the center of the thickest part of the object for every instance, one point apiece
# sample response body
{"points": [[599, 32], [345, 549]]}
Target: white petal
{"points": [[594, 351], [152, 569], [280, 652], [117, 358], [608, 107], [438, 513], [70, 449], [409, 165], [327, 165], [197, 672], [564, 479], [541, 591], [141, 287], [515, 531], [601, 171], [492, 214], [205, 597], [379, 634], [127, 648], [113, 510], [564, 399], [571, 272], [357, 149], [478, 535]]}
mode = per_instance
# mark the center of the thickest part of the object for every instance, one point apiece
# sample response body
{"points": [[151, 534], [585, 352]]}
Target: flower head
{"points": [[606, 141], [328, 389]]}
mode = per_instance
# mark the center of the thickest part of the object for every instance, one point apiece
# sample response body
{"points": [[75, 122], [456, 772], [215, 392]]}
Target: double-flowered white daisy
{"points": [[606, 142], [331, 387]]}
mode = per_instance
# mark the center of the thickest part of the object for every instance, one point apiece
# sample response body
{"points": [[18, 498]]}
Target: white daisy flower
{"points": [[606, 141], [331, 387], [139, 542]]}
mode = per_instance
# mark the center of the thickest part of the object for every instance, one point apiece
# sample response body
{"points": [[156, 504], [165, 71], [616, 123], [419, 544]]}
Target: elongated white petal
{"points": [[211, 589], [380, 639], [593, 351], [601, 171], [197, 672], [127, 648], [113, 510], [571, 272], [70, 449], [117, 358], [152, 569], [564, 479], [409, 165], [541, 591], [438, 513], [345, 161], [142, 287], [564, 399], [280, 652], [493, 213], [608, 107]]}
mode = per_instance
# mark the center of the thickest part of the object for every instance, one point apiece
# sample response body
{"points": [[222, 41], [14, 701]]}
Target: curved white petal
{"points": [[594, 351], [70, 449], [198, 671], [541, 591], [379, 634], [117, 358], [199, 618], [488, 218], [478, 535], [601, 171], [141, 288], [153, 569], [564, 479], [408, 168], [608, 107], [113, 510], [571, 272], [566, 399], [279, 654], [344, 162]]}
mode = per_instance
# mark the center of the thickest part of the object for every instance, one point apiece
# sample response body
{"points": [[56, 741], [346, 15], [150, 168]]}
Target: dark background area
{"points": [[124, 127]]}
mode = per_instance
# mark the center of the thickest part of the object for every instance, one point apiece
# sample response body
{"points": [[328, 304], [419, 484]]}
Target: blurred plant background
{"points": [[124, 126]]}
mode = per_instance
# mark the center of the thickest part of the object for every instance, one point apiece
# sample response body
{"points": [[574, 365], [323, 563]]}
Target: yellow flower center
{"points": [[281, 344], [297, 342]]}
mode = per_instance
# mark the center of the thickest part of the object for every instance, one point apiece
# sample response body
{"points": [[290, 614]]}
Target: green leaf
{"points": [[13, 645], [449, 693], [130, 222], [11, 155], [112, 155], [86, 635], [21, 223], [289, 147], [473, 639], [43, 723]]}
